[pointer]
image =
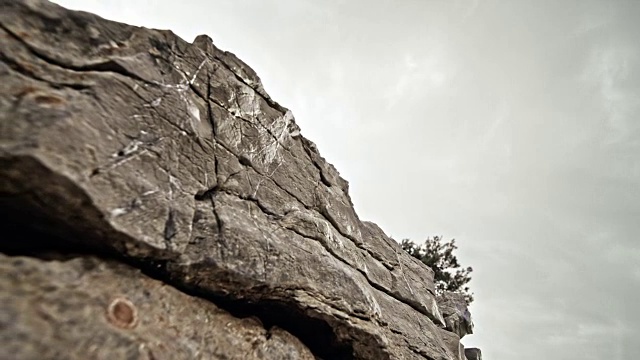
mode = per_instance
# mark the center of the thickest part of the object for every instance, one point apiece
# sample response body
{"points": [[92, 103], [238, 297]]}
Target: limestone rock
{"points": [[452, 342], [456, 314], [94, 309], [132, 144], [473, 354]]}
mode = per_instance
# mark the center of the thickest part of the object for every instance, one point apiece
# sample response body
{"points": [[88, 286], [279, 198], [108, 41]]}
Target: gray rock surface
{"points": [[473, 354], [456, 314], [452, 342], [57, 310], [131, 144]]}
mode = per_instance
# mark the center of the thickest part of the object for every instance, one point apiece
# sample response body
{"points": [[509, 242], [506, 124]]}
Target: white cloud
{"points": [[609, 68], [418, 77]]}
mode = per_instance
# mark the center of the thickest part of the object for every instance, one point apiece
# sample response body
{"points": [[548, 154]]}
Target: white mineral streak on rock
{"points": [[194, 113], [192, 110], [279, 129], [375, 307], [193, 79], [150, 192], [329, 233], [118, 212], [436, 311], [129, 149]]}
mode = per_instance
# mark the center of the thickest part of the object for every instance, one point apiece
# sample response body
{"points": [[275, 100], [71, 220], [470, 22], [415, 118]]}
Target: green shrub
{"points": [[438, 255]]}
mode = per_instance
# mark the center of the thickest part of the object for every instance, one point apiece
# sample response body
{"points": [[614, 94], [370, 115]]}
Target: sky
{"points": [[512, 126]]}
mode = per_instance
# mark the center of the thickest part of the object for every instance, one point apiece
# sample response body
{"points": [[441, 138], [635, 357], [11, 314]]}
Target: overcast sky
{"points": [[511, 126]]}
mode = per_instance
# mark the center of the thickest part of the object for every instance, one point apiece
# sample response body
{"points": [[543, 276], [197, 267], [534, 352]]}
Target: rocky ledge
{"points": [[158, 204]]}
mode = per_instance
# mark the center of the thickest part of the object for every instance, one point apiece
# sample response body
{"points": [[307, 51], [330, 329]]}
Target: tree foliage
{"points": [[439, 256]]}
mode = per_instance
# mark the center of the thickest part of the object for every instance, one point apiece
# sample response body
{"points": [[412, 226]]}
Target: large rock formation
{"points": [[158, 204]]}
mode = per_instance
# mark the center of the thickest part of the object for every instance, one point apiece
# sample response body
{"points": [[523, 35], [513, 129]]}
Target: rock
{"points": [[131, 144], [473, 354], [452, 342], [456, 314], [57, 310]]}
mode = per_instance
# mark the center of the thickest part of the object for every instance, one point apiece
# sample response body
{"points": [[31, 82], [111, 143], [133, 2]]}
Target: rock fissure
{"points": [[108, 66], [313, 332], [30, 73], [373, 284], [242, 160]]}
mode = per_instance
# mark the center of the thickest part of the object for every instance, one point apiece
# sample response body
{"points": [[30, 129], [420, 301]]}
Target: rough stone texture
{"points": [[456, 314], [452, 342], [473, 354], [132, 144], [55, 311]]}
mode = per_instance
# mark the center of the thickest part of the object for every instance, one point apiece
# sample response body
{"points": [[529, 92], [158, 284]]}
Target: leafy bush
{"points": [[438, 255]]}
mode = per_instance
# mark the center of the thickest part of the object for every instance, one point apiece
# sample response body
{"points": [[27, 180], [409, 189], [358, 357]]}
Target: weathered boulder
{"points": [[87, 308], [131, 144], [456, 314], [473, 354]]}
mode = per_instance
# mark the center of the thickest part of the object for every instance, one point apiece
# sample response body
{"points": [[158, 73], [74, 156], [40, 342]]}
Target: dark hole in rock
{"points": [[122, 313], [315, 333]]}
